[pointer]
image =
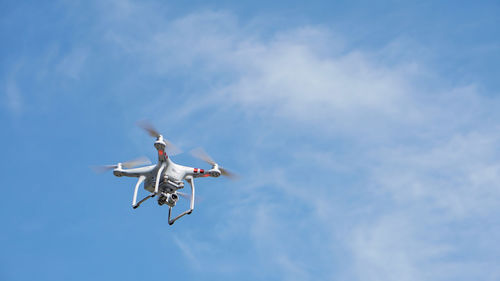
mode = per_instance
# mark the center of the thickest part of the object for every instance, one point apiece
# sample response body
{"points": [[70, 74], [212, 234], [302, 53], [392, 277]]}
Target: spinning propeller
{"points": [[202, 155], [129, 164], [172, 149]]}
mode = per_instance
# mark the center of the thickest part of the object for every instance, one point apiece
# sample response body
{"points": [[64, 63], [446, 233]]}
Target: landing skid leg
{"points": [[142, 201], [141, 179], [191, 205], [157, 183]]}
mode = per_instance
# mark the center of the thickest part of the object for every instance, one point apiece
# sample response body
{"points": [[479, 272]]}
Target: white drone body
{"points": [[166, 177]]}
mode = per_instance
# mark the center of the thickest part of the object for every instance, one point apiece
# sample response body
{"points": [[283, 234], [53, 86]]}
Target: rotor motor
{"points": [[214, 173]]}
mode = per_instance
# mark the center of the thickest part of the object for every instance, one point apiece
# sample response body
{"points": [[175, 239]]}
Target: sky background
{"points": [[366, 136]]}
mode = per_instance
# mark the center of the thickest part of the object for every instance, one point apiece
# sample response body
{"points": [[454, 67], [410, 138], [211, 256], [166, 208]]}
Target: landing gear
{"points": [[191, 205]]}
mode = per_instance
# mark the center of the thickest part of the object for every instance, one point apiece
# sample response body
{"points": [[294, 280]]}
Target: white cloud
{"points": [[13, 96], [459, 175], [302, 73], [72, 64], [14, 99], [188, 253], [382, 252], [426, 153]]}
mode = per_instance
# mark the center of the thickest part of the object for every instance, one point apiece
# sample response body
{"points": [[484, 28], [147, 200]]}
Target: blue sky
{"points": [[366, 136]]}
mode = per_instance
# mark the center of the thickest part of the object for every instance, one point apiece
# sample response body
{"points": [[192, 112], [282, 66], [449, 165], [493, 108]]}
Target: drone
{"points": [[165, 178]]}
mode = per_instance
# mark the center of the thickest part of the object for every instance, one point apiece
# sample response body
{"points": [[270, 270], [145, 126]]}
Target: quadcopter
{"points": [[165, 178]]}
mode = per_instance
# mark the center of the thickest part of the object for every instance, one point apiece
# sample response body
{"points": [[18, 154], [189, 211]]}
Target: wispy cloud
{"points": [[188, 253], [72, 64], [416, 154], [458, 175], [13, 96]]}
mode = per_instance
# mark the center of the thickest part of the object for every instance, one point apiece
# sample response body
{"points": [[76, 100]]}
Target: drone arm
{"points": [[198, 173], [133, 172], [141, 179], [191, 205]]}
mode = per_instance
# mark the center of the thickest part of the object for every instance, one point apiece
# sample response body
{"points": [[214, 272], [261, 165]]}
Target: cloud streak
{"points": [[418, 158], [14, 100]]}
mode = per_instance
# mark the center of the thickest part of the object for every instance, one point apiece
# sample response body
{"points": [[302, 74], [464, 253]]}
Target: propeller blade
{"points": [[228, 174], [103, 168], [202, 155], [186, 196], [129, 164], [148, 128], [172, 149], [136, 162]]}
